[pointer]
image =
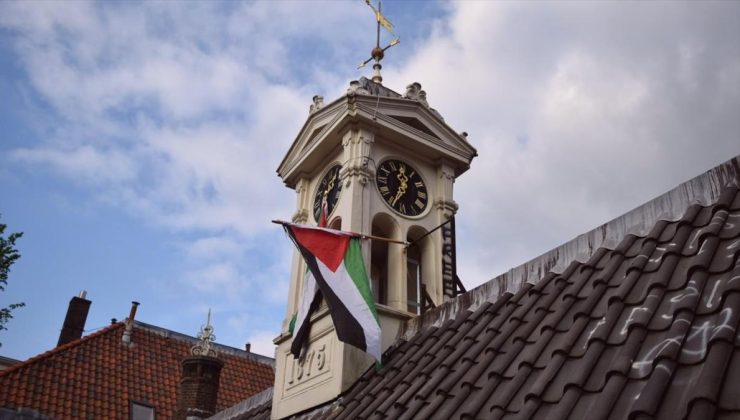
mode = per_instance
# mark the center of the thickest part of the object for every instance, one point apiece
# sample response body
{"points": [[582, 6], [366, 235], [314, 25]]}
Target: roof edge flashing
{"points": [[221, 348], [236, 411], [704, 190]]}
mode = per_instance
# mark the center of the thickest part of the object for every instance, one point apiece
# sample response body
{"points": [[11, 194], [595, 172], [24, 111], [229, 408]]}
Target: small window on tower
{"points": [[413, 279], [379, 268], [141, 411]]}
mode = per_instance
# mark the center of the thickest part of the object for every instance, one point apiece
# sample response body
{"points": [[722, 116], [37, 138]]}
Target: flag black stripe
{"points": [[304, 330]]}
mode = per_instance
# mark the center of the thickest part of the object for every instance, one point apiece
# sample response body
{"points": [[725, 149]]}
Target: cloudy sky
{"points": [[139, 141]]}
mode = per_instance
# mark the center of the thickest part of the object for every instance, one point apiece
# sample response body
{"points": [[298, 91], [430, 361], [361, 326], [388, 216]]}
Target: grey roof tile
{"points": [[649, 329]]}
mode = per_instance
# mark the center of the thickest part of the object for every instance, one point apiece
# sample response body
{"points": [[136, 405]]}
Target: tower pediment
{"points": [[402, 120]]}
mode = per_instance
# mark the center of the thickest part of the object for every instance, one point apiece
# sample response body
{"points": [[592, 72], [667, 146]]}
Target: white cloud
{"points": [[579, 113], [262, 343], [253, 328], [85, 163], [168, 115], [213, 247], [222, 278]]}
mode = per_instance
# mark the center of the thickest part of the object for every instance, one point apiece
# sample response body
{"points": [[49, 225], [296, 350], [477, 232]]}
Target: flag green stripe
{"points": [[355, 266], [291, 326]]}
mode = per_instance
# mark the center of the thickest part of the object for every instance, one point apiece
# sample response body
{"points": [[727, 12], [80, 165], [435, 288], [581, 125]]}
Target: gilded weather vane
{"points": [[377, 52]]}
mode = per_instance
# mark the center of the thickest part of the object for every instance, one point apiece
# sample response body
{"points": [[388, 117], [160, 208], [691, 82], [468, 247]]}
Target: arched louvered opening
{"points": [[418, 270], [381, 258]]}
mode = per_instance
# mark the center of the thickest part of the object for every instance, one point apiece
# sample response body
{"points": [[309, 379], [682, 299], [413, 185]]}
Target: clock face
{"points": [[330, 187], [401, 187]]}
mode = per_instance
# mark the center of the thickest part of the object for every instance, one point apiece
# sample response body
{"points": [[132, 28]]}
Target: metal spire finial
{"points": [[378, 53], [206, 336]]}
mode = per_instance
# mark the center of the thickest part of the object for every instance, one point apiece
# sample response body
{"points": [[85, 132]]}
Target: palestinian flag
{"points": [[334, 258]]}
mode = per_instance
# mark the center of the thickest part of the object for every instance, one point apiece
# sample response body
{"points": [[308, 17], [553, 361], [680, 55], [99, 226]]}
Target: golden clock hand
{"points": [[403, 179], [330, 186], [402, 175], [399, 194]]}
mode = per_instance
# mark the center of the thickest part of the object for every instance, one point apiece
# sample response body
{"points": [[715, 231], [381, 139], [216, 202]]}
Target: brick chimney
{"points": [[74, 322], [197, 392]]}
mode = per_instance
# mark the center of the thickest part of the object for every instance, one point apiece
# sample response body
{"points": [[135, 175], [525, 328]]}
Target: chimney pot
{"points": [[126, 338], [74, 321], [132, 314], [248, 347]]}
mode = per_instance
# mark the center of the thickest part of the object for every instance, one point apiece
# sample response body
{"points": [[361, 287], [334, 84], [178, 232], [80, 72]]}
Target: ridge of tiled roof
{"points": [[8, 361], [98, 376], [59, 349], [703, 190], [138, 324], [648, 329], [220, 348]]}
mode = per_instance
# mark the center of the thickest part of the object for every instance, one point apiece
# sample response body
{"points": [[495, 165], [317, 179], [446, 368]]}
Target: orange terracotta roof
{"points": [[98, 376]]}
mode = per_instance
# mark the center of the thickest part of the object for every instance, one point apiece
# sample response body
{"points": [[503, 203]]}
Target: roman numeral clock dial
{"points": [[330, 187], [401, 187]]}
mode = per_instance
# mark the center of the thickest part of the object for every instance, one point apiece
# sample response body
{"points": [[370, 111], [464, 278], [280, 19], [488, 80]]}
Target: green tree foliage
{"points": [[8, 255]]}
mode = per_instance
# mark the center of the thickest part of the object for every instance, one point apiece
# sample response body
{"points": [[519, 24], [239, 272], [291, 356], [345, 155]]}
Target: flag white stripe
{"points": [[310, 287], [345, 289]]}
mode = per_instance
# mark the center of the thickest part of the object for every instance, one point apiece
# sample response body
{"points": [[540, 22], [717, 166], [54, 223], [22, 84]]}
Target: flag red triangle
{"points": [[325, 246]]}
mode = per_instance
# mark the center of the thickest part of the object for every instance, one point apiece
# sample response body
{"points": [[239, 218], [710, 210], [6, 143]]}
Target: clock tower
{"points": [[386, 163]]}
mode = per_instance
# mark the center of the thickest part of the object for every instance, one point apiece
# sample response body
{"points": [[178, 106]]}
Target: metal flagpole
{"points": [[361, 235]]}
